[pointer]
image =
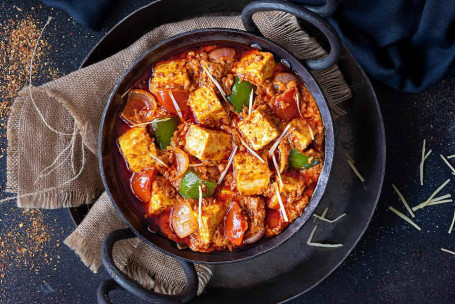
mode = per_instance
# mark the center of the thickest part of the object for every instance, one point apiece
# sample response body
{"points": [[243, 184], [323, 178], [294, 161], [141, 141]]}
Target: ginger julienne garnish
{"points": [[354, 168], [448, 164], [422, 162], [316, 244], [403, 200], [407, 219]]}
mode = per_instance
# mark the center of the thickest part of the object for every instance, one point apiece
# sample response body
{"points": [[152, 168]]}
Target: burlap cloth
{"points": [[52, 145]]}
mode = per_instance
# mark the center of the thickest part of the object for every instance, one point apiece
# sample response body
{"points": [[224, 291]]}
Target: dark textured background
{"points": [[393, 263]]}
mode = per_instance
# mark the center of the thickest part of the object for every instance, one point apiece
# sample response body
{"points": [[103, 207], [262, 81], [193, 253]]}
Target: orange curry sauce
{"points": [[177, 133]]}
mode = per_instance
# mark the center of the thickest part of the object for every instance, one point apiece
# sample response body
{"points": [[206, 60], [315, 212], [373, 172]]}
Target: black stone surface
{"points": [[393, 263]]}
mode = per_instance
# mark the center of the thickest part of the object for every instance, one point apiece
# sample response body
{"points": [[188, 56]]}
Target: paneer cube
{"points": [[207, 107], [163, 196], [207, 144], [136, 146], [300, 134], [258, 128], [211, 217], [251, 175], [255, 67], [169, 75]]}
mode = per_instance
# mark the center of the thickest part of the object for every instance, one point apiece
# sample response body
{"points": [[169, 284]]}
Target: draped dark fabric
{"points": [[407, 44], [89, 13]]}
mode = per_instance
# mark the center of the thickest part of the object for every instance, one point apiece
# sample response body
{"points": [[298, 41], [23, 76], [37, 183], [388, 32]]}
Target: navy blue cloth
{"points": [[89, 13], [407, 44]]}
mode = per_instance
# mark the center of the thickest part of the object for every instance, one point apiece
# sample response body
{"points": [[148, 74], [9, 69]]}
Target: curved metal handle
{"points": [[303, 13], [122, 281], [325, 10]]}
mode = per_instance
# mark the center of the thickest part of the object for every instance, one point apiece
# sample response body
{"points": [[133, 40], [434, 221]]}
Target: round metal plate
{"points": [[294, 267]]}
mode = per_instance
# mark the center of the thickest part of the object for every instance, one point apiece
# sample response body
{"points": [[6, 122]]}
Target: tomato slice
{"points": [[165, 100], [273, 218], [235, 225], [139, 107], [141, 183], [285, 105]]}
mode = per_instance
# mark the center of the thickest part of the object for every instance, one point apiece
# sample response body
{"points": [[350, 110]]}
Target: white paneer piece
{"points": [[136, 146], [300, 134], [207, 144], [258, 128], [251, 175], [207, 107]]}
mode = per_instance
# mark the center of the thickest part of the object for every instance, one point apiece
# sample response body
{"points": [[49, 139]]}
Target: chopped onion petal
{"points": [[451, 156], [230, 159], [283, 211], [407, 219], [196, 165], [277, 142], [405, 203], [252, 151], [176, 105]]}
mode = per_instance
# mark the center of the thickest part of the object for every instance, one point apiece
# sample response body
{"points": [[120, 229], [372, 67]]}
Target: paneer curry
{"points": [[222, 146]]}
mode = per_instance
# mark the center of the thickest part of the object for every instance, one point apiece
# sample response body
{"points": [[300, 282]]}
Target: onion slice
{"points": [[182, 161], [183, 219], [255, 237]]}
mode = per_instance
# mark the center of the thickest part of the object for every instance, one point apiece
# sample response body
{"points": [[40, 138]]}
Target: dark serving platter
{"points": [[294, 267]]}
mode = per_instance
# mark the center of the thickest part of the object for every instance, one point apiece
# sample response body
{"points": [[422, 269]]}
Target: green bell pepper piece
{"points": [[164, 129], [189, 185], [240, 95], [300, 161]]}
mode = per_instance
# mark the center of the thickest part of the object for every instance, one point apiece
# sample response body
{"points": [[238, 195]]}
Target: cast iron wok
{"points": [[138, 227]]}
